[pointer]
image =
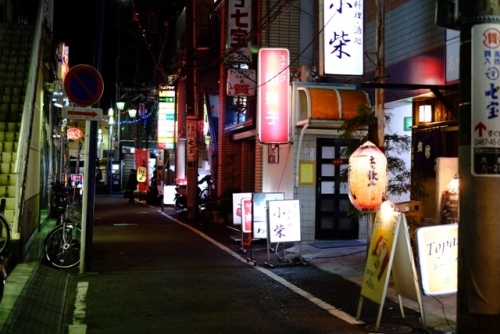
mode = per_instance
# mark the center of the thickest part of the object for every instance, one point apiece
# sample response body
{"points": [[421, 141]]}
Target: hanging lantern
{"points": [[367, 177]]}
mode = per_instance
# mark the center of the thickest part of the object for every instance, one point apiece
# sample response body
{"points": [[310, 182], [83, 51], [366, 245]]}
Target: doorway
{"points": [[332, 199]]}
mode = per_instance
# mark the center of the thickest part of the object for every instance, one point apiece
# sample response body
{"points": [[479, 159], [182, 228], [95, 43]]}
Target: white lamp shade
{"points": [[132, 113], [425, 113], [367, 177]]}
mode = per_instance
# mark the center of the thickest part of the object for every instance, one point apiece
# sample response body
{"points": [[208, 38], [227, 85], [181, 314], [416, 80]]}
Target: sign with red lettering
{"points": [[74, 133], [273, 103], [485, 99], [241, 82]]}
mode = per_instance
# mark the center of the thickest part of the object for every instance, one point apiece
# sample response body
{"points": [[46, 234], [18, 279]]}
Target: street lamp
{"points": [[120, 105], [111, 121], [132, 114]]}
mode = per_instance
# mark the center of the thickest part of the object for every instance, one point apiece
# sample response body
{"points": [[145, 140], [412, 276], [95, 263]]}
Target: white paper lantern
{"points": [[367, 177]]}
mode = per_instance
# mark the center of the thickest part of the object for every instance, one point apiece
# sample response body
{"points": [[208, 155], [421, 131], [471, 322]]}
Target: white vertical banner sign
{"points": [[239, 15], [343, 37], [485, 100]]}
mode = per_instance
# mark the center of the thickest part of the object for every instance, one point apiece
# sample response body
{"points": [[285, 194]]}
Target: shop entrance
{"points": [[332, 221]]}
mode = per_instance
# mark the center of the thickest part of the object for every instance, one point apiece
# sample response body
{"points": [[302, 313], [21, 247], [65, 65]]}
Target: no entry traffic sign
{"points": [[83, 85]]}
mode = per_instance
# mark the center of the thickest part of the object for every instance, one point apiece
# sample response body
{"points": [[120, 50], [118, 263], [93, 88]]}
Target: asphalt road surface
{"points": [[154, 272]]}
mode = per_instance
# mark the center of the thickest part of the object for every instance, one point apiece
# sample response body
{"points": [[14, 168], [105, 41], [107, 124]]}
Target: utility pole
{"points": [[376, 132], [191, 114], [478, 297]]}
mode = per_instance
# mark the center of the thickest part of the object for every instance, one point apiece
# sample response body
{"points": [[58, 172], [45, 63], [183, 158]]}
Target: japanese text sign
{"points": [[191, 141], [485, 101], [343, 37], [273, 101], [239, 25], [284, 221], [241, 82]]}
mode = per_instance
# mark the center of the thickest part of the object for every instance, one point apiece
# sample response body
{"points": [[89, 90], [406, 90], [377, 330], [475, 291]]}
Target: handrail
{"points": [[27, 120]]}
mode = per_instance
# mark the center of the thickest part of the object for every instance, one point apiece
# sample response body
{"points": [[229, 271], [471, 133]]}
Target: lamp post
{"points": [[110, 148], [120, 105], [132, 113]]}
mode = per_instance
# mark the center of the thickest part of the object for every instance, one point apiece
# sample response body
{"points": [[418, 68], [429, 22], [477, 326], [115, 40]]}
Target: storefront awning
{"points": [[328, 106]]}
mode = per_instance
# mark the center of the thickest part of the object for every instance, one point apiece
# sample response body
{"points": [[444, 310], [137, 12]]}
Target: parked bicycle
{"points": [[4, 242], [63, 243], [204, 195], [4, 228], [58, 199]]}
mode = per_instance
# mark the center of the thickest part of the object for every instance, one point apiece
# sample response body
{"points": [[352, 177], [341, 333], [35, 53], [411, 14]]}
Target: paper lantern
{"points": [[367, 177]]}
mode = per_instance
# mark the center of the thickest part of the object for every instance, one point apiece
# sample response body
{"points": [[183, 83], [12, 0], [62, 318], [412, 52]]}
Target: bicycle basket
{"points": [[74, 213]]}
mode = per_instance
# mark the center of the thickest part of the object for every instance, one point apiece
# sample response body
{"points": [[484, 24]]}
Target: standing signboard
{"points": [[485, 98], [259, 212], [438, 258], [237, 208], [390, 253], [284, 221]]}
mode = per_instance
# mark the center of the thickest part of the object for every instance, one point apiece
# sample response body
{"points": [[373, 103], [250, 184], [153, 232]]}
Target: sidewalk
{"points": [[349, 262], [39, 291]]}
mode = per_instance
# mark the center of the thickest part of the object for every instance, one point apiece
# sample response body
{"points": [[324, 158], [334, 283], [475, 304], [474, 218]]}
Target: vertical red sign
{"points": [[246, 215], [141, 161], [273, 102]]}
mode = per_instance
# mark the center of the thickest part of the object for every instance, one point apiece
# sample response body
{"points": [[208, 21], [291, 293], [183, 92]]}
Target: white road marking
{"points": [[78, 326], [320, 303]]}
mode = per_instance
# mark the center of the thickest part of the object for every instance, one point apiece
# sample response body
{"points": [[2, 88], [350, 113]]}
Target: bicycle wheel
{"points": [[4, 233], [62, 248]]}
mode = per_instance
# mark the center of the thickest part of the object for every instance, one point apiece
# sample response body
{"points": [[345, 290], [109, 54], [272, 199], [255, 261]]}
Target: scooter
{"points": [[181, 195]]}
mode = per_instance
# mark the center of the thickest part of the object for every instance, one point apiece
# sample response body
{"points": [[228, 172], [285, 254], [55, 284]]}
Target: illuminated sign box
{"points": [[438, 258], [273, 96], [343, 38]]}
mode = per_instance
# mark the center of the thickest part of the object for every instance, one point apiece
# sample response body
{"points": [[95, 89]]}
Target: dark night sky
{"points": [[76, 22]]}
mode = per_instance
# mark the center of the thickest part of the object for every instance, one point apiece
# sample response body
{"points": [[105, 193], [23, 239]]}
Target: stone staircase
{"points": [[15, 53]]}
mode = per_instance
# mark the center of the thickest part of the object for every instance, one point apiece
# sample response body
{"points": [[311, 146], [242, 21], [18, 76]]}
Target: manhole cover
{"points": [[389, 328]]}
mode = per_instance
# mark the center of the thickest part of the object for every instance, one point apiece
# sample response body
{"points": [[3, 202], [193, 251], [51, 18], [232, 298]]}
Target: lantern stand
{"points": [[367, 180]]}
